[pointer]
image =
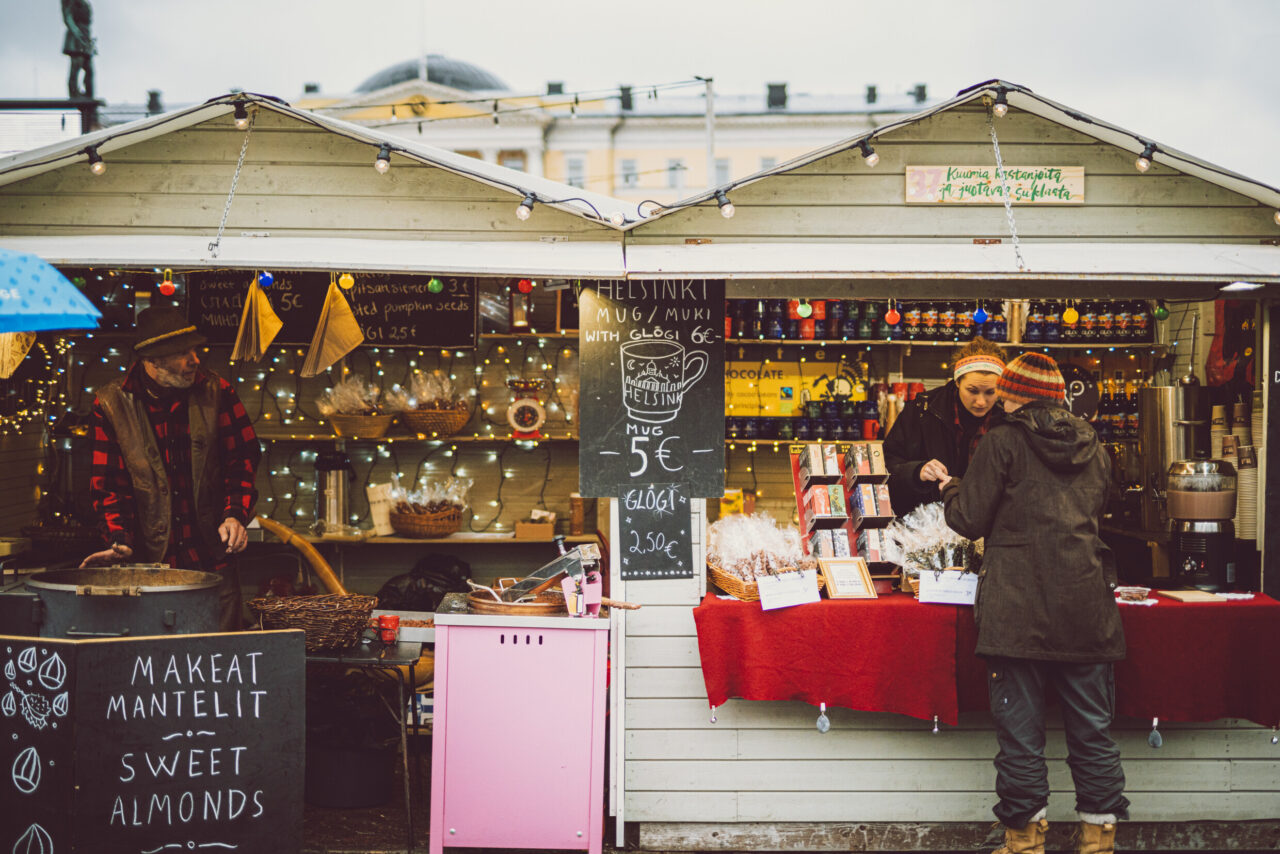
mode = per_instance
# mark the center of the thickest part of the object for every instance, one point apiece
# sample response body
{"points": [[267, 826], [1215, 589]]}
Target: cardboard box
{"points": [[840, 542], [821, 544], [876, 452], [835, 500], [857, 460], [818, 501], [882, 499], [831, 459], [867, 499], [535, 530]]}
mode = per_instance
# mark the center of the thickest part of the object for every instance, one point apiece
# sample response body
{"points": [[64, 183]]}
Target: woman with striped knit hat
{"points": [[1045, 610], [937, 432]]}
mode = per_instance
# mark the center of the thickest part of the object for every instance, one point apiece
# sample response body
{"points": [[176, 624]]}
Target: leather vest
{"points": [[151, 492]]}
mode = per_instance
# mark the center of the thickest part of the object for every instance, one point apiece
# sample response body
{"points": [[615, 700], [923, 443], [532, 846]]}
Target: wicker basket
{"points": [[435, 422], [361, 426], [747, 591], [335, 621], [911, 584], [427, 525]]}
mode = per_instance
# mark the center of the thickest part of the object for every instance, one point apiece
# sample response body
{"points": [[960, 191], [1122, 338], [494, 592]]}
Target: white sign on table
{"points": [[787, 589], [981, 185], [948, 587]]}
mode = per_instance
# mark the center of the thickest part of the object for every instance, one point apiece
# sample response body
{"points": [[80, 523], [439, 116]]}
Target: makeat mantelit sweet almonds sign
{"points": [[981, 185]]}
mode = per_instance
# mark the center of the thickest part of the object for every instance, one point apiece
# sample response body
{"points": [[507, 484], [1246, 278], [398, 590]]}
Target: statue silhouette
{"points": [[78, 45]]}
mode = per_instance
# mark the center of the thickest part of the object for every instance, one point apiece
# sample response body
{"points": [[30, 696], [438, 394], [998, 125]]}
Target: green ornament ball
{"points": [[435, 285], [1160, 313]]}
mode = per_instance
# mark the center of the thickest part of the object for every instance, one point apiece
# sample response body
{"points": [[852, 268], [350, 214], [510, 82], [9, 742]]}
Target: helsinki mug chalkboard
{"points": [[652, 398], [393, 310]]}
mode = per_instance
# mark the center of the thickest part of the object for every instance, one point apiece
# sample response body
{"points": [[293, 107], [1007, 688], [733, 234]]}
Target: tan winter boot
{"points": [[1028, 840], [1096, 839]]}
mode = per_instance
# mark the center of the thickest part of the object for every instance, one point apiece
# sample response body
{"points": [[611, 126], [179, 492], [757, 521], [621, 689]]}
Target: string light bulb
{"points": [[166, 285], [347, 281], [727, 210], [526, 207], [1161, 311], [1277, 217], [869, 155], [618, 218], [1001, 107], [435, 286], [524, 286], [265, 279], [1143, 163], [979, 315], [892, 316], [1069, 314], [96, 164], [241, 116], [804, 309], [383, 161]]}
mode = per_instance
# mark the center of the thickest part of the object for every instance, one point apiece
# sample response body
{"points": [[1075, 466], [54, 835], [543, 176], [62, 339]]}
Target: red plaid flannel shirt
{"points": [[112, 487]]}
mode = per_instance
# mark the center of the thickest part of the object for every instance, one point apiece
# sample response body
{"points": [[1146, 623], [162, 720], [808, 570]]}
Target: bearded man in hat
{"points": [[174, 460], [1045, 608]]}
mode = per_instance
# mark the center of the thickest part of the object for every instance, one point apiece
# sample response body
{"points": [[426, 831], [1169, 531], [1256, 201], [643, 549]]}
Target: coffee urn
{"points": [[333, 474], [1174, 426], [1201, 499]]}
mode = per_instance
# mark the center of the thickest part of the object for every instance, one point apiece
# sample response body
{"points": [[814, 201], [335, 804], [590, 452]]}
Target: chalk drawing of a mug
{"points": [[655, 374]]}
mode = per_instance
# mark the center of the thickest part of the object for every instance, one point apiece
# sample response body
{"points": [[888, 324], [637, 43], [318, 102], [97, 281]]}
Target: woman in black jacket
{"points": [[1045, 611], [938, 431]]}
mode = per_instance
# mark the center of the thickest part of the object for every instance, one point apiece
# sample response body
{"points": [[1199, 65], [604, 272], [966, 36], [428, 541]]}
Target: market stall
{"points": [[839, 273]]}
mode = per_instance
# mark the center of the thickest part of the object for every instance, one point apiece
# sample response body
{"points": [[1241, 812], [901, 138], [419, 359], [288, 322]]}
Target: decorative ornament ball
{"points": [[435, 285], [167, 288], [892, 317], [524, 286], [265, 279], [1070, 315], [347, 281], [979, 315], [1160, 312], [804, 309]]}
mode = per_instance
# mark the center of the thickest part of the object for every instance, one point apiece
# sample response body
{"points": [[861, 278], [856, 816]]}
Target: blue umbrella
{"points": [[34, 297]]}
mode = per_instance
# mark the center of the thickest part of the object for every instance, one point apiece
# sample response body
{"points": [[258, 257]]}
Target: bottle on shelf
{"points": [[964, 321], [1140, 321], [911, 319], [896, 331], [1069, 322], [835, 319], [819, 317], [1132, 413], [946, 321], [852, 315], [997, 322], [1106, 321], [1088, 322], [868, 320], [1033, 331], [929, 321], [1122, 321], [1052, 322], [775, 316], [728, 319]]}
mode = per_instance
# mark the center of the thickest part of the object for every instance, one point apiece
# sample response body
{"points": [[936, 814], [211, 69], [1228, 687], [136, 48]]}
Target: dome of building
{"points": [[443, 70]]}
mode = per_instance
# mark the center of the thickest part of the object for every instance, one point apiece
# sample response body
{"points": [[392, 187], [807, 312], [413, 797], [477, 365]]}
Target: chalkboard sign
{"points": [[393, 310], [656, 528], [652, 395], [181, 743]]}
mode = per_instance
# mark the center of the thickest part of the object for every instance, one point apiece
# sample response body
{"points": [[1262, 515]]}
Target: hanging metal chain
{"points": [[217, 241], [1008, 201]]}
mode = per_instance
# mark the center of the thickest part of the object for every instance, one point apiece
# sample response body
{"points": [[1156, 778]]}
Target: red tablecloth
{"points": [[1186, 662], [877, 655]]}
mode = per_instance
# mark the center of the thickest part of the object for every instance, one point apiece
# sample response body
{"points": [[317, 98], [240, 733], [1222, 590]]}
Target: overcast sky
{"points": [[1199, 75]]}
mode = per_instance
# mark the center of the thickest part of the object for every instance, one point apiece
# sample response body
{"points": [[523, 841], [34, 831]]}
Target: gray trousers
{"points": [[1086, 694]]}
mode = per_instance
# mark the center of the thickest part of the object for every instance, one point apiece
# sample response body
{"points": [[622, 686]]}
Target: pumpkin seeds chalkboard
{"points": [[394, 310], [185, 743], [652, 396]]}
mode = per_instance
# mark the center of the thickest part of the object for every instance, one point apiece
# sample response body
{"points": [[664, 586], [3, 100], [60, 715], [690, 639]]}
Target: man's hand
{"points": [[942, 482], [234, 535], [118, 551], [933, 470]]}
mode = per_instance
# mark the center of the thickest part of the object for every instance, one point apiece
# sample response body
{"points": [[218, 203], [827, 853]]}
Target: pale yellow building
{"points": [[635, 143]]}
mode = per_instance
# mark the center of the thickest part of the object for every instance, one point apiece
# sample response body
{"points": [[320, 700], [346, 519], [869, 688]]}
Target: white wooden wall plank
{"points": [[682, 806], [896, 775]]}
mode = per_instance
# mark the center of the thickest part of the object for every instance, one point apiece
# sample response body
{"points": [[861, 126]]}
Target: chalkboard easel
{"points": [[183, 743]]}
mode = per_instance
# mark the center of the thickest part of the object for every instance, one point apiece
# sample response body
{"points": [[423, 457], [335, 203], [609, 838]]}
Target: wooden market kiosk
{"points": [[759, 775]]}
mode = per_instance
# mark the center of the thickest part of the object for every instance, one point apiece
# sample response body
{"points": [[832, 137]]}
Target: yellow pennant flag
{"points": [[259, 326], [337, 333], [14, 347]]}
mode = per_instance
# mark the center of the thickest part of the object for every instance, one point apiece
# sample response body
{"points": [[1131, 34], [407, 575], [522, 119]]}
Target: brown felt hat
{"points": [[164, 331]]}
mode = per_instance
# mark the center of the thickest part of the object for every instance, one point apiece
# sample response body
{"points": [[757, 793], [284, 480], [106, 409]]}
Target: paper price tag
{"points": [[787, 589], [948, 587]]}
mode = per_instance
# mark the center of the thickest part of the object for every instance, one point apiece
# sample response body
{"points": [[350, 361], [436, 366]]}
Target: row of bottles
{"points": [[852, 320], [1047, 321], [1118, 418], [1087, 322]]}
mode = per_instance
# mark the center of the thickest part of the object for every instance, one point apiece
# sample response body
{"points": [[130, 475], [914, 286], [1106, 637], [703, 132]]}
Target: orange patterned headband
{"points": [[968, 364]]}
